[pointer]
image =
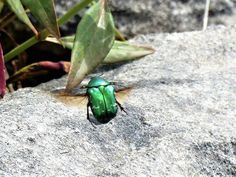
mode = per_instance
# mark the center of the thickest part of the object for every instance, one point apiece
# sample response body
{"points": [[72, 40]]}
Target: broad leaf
{"points": [[120, 51], [19, 10], [2, 74], [124, 51], [43, 11], [93, 41]]}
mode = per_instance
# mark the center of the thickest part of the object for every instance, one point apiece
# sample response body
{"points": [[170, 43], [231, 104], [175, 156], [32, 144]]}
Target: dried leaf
{"points": [[94, 39], [19, 10], [39, 69], [44, 12]]}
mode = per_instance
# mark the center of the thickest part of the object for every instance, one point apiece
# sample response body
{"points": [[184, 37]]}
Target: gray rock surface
{"points": [[181, 117], [144, 16]]}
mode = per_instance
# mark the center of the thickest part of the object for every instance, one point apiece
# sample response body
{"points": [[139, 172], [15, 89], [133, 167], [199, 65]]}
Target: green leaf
{"points": [[43, 11], [124, 51], [120, 51], [2, 74], [93, 41], [19, 10]]}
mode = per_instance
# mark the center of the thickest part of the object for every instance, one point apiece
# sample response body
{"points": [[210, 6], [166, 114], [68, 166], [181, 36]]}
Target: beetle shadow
{"points": [[95, 122]]}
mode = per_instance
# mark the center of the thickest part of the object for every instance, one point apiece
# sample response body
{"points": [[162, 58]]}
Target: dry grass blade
{"points": [[206, 15]]}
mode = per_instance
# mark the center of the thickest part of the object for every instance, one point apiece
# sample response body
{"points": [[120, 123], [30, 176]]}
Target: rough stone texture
{"points": [[144, 16], [181, 117]]}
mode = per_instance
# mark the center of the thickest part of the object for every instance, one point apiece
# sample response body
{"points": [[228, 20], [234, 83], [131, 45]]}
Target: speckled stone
{"points": [[181, 117], [149, 16]]}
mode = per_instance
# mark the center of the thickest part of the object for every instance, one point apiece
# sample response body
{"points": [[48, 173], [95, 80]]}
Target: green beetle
{"points": [[102, 100], [101, 96]]}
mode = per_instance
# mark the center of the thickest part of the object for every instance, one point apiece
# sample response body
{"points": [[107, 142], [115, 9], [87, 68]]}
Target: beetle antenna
{"points": [[113, 83]]}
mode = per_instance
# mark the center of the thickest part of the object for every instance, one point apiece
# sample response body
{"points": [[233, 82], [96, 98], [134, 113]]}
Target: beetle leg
{"points": [[113, 83], [121, 107], [88, 115]]}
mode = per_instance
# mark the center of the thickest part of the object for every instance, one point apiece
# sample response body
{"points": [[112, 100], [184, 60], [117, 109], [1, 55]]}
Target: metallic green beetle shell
{"points": [[97, 81], [102, 99]]}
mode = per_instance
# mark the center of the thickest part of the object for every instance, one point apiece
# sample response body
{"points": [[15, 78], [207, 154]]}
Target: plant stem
{"points": [[30, 42], [33, 40]]}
